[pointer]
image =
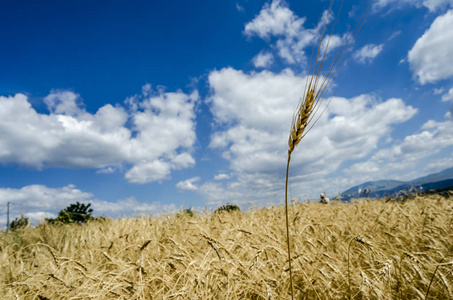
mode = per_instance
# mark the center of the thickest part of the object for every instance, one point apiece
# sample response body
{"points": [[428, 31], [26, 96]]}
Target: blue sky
{"points": [[148, 106]]}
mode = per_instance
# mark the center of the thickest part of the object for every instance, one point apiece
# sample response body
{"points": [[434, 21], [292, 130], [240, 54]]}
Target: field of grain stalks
{"points": [[359, 250]]}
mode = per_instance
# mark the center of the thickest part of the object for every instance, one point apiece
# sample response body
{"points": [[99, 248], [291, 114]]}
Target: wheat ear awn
{"points": [[315, 90]]}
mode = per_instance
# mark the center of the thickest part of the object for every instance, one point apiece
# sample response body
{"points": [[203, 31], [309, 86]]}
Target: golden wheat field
{"points": [[366, 249]]}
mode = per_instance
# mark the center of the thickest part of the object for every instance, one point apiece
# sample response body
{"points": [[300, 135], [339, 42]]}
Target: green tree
{"points": [[74, 213], [228, 208], [19, 223]]}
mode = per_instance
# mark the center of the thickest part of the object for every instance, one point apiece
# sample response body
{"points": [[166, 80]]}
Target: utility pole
{"points": [[7, 217]]}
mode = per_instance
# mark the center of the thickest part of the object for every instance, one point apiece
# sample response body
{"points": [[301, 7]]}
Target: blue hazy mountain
{"points": [[381, 188]]}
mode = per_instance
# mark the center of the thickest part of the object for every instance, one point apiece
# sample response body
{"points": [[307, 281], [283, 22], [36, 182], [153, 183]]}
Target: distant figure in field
{"points": [[324, 199]]}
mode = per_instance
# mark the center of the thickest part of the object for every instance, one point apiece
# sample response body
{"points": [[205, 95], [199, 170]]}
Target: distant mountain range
{"points": [[381, 188]]}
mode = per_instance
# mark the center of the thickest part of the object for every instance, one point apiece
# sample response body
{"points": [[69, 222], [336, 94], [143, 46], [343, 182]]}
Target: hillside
{"points": [[381, 188]]}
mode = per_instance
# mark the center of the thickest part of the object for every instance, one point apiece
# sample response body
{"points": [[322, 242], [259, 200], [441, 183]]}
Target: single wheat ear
{"points": [[301, 119], [316, 87]]}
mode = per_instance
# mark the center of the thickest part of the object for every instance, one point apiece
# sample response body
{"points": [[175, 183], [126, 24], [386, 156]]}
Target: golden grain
{"points": [[179, 262]]}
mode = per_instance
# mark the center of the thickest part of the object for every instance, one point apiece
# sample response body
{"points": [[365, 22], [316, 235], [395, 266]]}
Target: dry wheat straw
{"points": [[316, 87], [434, 274], [126, 272]]}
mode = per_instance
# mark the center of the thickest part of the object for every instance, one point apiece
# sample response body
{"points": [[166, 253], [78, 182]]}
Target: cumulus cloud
{"points": [[107, 170], [368, 53], [188, 185], [263, 60], [438, 91], [257, 108], [221, 176], [63, 102], [153, 133], [440, 164], [397, 160], [431, 5], [431, 57], [448, 96], [434, 5], [276, 20], [148, 171], [39, 197], [38, 202]]}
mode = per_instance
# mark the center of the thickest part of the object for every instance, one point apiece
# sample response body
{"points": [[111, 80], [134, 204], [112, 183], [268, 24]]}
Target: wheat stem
{"points": [[306, 115], [434, 274], [287, 227]]}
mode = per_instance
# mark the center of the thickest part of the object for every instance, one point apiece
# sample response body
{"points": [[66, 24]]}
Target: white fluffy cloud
{"points": [[431, 5], [257, 108], [434, 5], [39, 197], [38, 202], [263, 60], [153, 134], [221, 176], [431, 57], [448, 96], [440, 164], [398, 160], [276, 20], [63, 102], [368, 53], [188, 185], [438, 91]]}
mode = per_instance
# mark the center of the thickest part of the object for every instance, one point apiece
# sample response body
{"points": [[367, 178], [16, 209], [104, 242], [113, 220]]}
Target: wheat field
{"points": [[366, 249]]}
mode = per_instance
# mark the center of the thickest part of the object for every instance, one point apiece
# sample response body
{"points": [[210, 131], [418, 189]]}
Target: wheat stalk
{"points": [[434, 274], [180, 261], [315, 90]]}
